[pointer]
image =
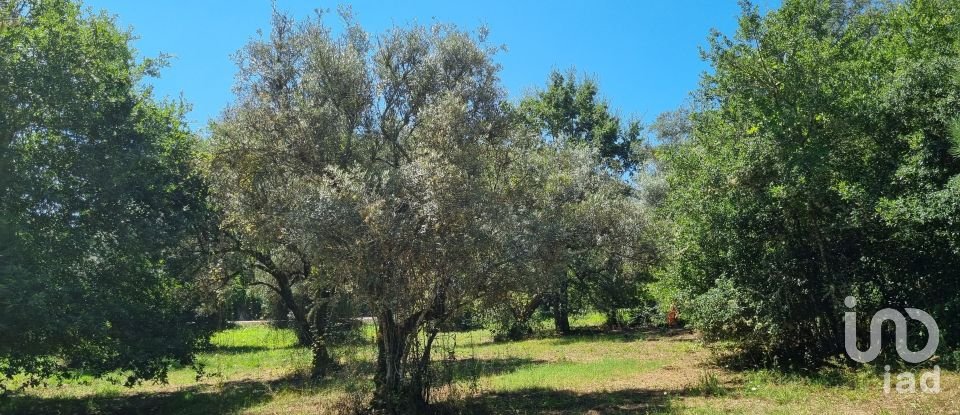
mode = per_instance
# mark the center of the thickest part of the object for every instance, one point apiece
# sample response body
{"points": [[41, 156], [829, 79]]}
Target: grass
{"points": [[709, 384], [260, 370]]}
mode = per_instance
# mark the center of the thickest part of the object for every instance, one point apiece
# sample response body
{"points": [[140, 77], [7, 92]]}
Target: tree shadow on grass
{"points": [[234, 350], [538, 400], [224, 398], [587, 335], [233, 396], [199, 399], [836, 372], [472, 368]]}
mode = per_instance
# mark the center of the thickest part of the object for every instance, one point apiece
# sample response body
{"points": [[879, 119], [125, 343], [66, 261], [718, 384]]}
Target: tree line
{"points": [[389, 175]]}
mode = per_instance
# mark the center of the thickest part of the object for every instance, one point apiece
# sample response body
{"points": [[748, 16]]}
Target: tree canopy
{"points": [[817, 166], [101, 212], [380, 162], [571, 110]]}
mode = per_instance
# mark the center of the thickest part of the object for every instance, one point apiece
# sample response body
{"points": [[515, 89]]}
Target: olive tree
{"points": [[300, 98], [595, 238], [378, 162], [579, 191]]}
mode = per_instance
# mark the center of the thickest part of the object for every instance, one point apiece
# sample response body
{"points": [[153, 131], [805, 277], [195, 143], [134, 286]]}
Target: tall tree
{"points": [[101, 209], [570, 113], [817, 167], [298, 93], [592, 235], [380, 165]]}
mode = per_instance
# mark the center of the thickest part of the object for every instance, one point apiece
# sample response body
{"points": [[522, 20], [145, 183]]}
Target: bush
{"points": [[718, 313]]}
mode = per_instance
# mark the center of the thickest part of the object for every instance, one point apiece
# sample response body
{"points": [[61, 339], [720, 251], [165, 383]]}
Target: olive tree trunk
{"points": [[322, 362], [401, 383], [309, 327]]}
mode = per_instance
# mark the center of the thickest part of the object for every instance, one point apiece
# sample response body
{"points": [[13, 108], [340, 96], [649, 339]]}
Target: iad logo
{"points": [[930, 381]]}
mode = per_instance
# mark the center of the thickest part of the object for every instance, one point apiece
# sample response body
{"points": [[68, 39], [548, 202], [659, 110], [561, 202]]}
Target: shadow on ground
{"points": [[472, 368], [231, 396], [232, 350], [200, 399], [225, 398], [235, 396], [627, 335], [534, 401]]}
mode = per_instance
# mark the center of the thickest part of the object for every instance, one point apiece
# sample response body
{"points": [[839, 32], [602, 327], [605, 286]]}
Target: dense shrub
{"points": [[816, 163]]}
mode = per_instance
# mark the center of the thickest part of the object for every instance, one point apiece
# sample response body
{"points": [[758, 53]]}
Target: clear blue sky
{"points": [[643, 53]]}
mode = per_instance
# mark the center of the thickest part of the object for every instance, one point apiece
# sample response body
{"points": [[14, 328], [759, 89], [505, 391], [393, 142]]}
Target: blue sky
{"points": [[644, 54]]}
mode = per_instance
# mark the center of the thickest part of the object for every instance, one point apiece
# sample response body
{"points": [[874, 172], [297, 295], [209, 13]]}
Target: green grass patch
{"points": [[260, 369], [588, 319], [255, 337], [570, 375]]}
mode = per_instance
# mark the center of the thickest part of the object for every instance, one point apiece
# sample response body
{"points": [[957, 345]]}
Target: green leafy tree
{"points": [[102, 212], [816, 165], [569, 113], [571, 110], [561, 189]]}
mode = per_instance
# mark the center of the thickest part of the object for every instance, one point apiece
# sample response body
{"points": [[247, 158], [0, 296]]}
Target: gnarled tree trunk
{"points": [[519, 327], [300, 323], [400, 385], [310, 327], [322, 362]]}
